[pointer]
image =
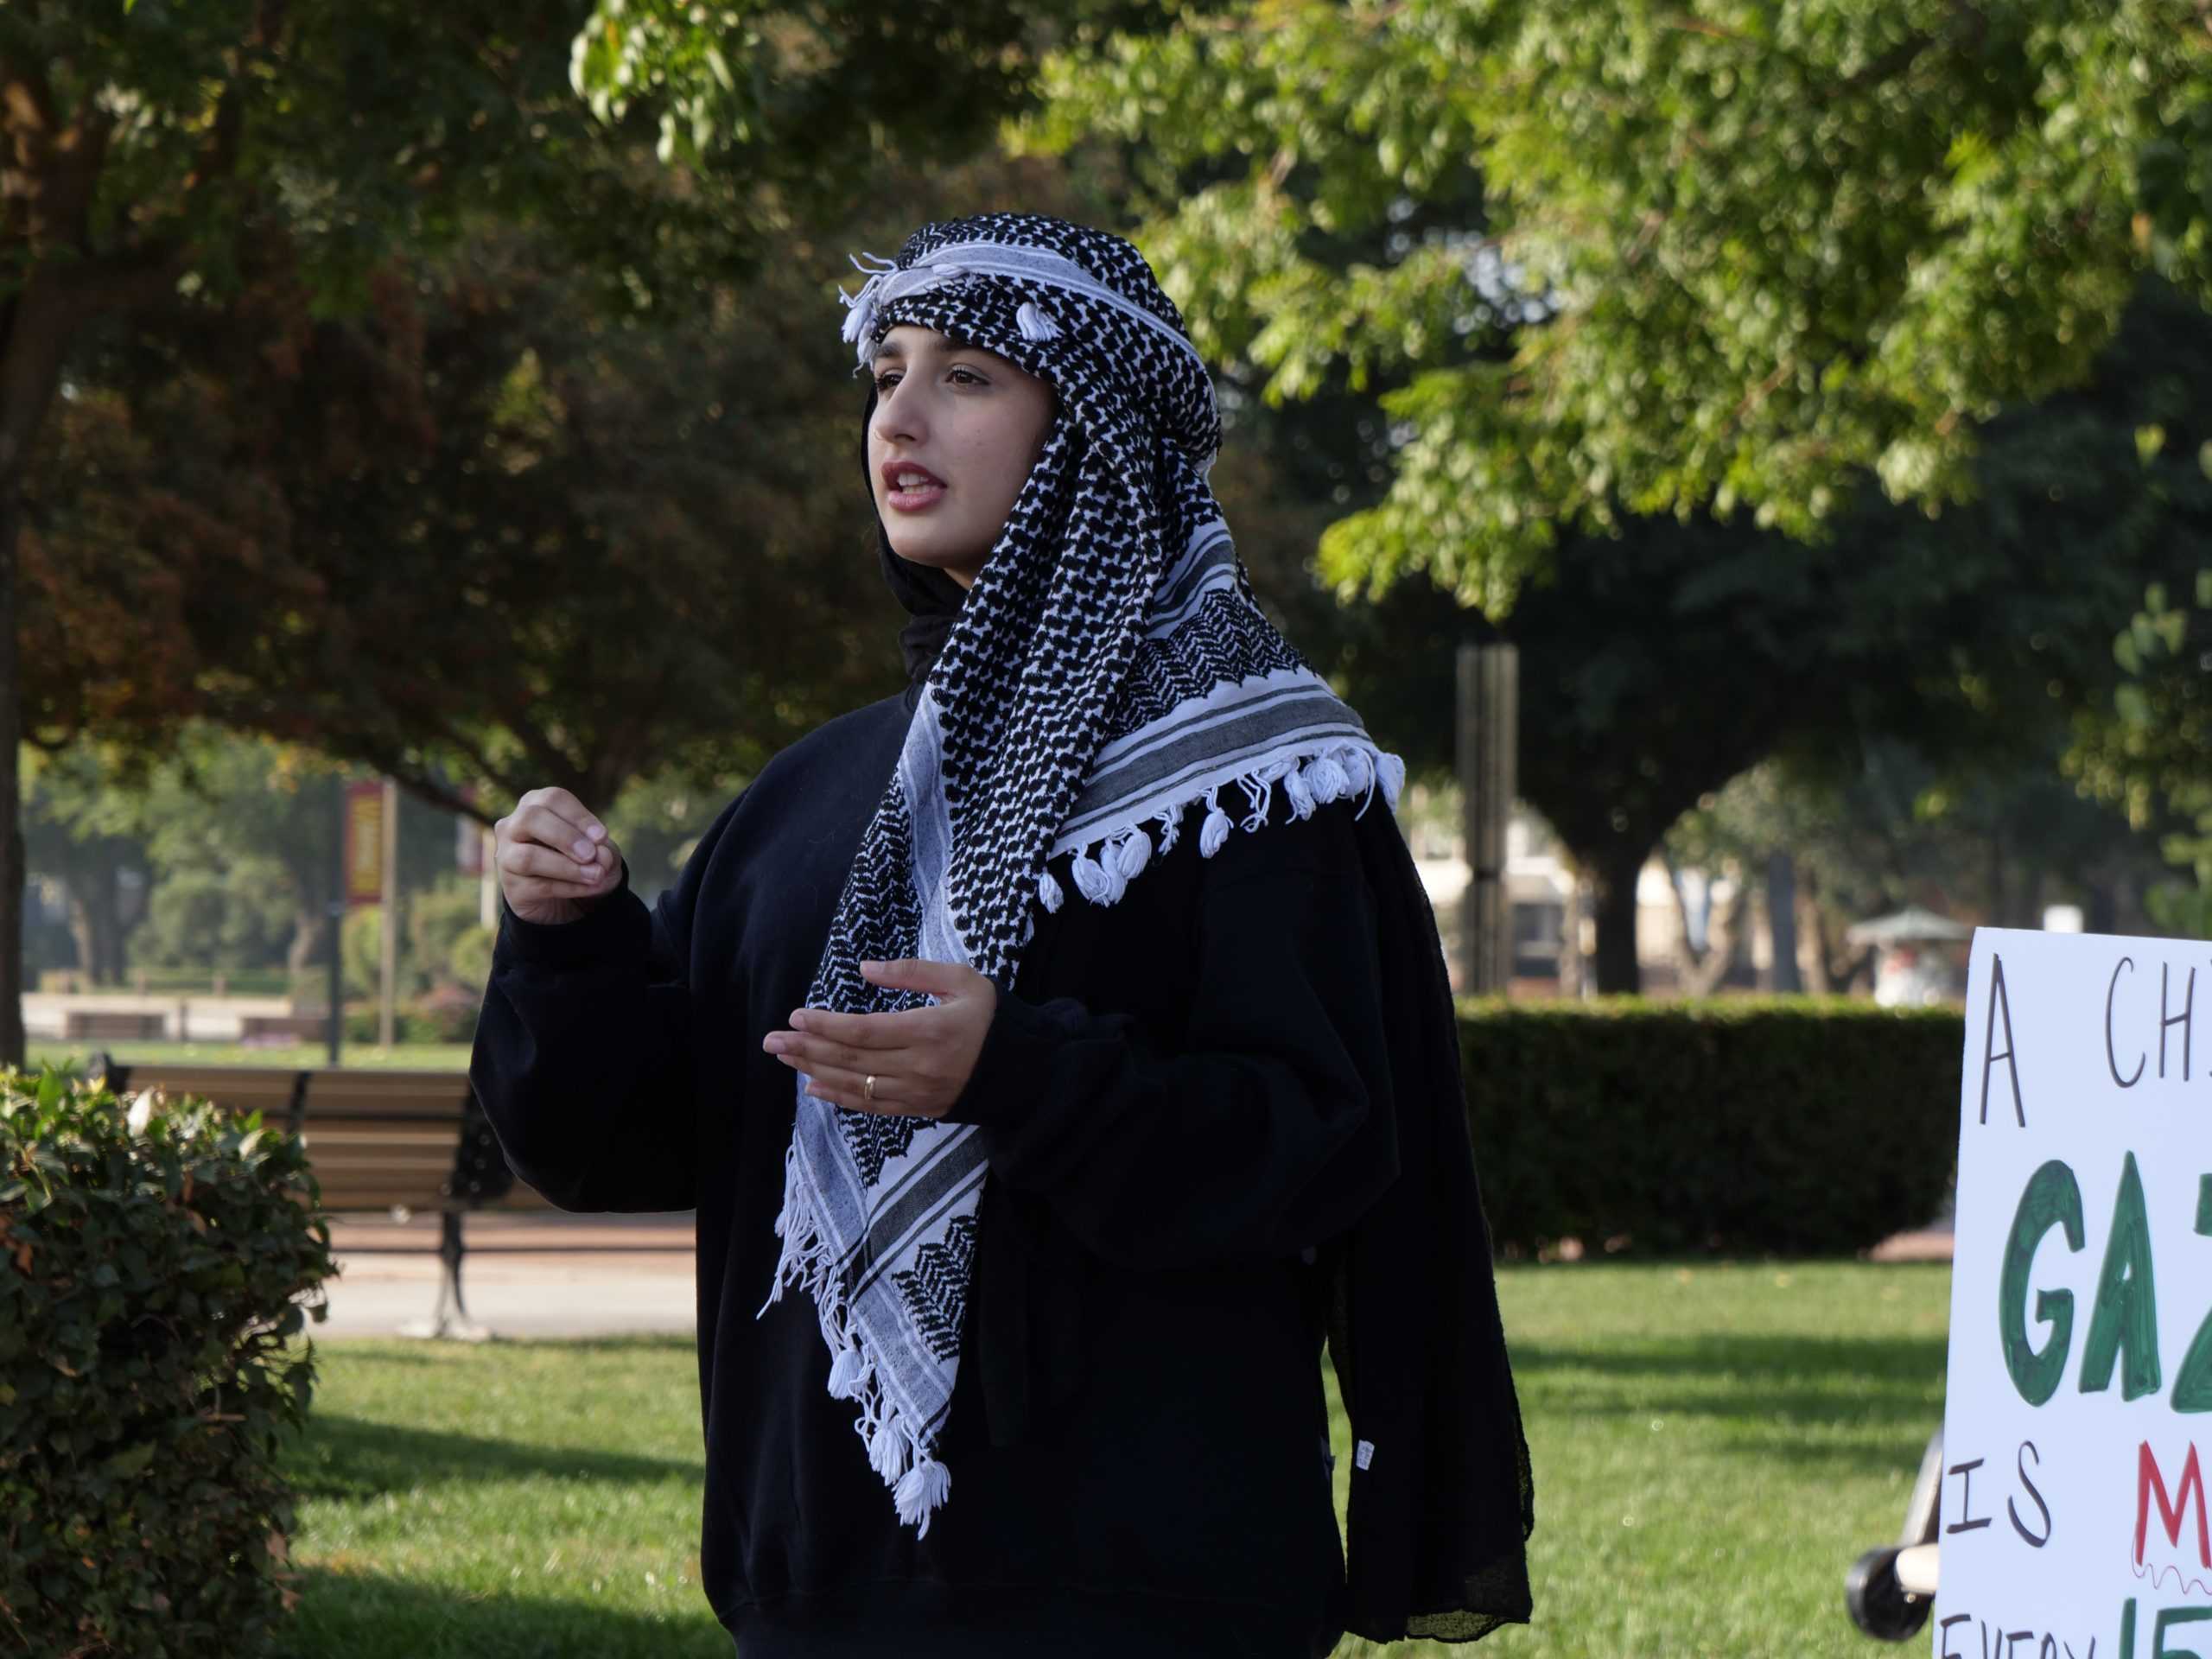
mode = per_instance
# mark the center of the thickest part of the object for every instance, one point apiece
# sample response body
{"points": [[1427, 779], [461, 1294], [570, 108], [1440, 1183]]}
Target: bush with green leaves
{"points": [[1798, 1125], [152, 1254]]}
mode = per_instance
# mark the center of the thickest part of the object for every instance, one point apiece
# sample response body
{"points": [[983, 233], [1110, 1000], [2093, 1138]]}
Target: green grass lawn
{"points": [[425, 1056], [1713, 1444]]}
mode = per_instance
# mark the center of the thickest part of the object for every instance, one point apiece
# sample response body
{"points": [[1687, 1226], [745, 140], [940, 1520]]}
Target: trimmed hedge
{"points": [[149, 1258], [1807, 1126]]}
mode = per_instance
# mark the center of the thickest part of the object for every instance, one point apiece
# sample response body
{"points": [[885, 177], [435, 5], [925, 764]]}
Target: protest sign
{"points": [[2076, 1425]]}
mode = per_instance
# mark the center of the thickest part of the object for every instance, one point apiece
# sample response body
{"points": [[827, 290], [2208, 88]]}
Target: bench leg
{"points": [[450, 1318]]}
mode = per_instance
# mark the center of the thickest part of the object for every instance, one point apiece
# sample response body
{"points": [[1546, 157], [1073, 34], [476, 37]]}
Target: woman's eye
{"points": [[971, 375], [885, 381]]}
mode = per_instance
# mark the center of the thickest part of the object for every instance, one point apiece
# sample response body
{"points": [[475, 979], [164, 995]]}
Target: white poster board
{"points": [[2080, 1388]]}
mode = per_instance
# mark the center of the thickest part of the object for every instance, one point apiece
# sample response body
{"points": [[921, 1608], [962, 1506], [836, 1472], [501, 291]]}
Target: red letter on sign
{"points": [[2149, 1481]]}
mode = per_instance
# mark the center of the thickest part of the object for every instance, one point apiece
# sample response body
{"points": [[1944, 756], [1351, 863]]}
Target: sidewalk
{"points": [[534, 1274], [548, 1273]]}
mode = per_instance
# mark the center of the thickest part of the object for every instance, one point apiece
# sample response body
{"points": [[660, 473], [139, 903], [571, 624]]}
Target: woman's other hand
{"points": [[554, 857], [921, 1057]]}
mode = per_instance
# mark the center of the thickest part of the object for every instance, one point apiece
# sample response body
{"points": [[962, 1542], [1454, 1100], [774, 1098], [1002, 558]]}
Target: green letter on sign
{"points": [[2053, 1197], [2126, 1313]]}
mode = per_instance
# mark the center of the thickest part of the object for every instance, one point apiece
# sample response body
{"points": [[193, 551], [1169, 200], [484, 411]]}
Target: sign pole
{"points": [[337, 909], [1489, 718], [387, 1009]]}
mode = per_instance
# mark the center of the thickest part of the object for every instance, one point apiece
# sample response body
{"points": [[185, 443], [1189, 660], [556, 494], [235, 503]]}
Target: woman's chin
{"points": [[937, 557]]}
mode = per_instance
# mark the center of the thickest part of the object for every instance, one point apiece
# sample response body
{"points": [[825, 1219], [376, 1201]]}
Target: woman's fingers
{"points": [[519, 858], [560, 823], [848, 1089], [554, 857], [821, 1051]]}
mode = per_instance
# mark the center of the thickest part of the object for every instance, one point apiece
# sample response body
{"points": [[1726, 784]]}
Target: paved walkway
{"points": [[548, 1273], [537, 1274]]}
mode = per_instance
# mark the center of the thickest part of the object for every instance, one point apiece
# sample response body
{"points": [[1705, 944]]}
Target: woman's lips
{"points": [[914, 500], [922, 495]]}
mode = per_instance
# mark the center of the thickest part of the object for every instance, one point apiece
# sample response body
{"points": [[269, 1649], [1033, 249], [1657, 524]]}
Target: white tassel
{"points": [[1049, 893], [1300, 791], [845, 1374], [925, 1486], [1133, 856], [1215, 830], [1260, 793], [1116, 883], [1089, 880], [1171, 823], [1326, 778], [1035, 324], [887, 1450], [1360, 770], [1392, 770]]}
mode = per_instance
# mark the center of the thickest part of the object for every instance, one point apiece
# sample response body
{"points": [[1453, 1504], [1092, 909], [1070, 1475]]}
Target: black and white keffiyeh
{"points": [[1109, 670]]}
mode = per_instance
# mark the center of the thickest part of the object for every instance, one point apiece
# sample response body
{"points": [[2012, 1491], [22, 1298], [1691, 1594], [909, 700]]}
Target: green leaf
{"points": [[129, 1462]]}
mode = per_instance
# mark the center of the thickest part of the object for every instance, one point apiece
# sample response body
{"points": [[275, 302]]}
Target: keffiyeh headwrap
{"points": [[1108, 673]]}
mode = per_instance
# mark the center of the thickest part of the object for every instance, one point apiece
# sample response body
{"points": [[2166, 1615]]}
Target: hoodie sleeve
{"points": [[1270, 1131], [583, 1057]]}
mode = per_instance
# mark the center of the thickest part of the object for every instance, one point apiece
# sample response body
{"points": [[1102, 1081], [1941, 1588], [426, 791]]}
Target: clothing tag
{"points": [[1363, 1454]]}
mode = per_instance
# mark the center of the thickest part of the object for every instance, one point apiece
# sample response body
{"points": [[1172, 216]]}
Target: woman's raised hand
{"points": [[553, 858]]}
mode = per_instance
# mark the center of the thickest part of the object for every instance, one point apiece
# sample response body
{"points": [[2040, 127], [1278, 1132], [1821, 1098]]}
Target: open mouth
{"points": [[910, 487]]}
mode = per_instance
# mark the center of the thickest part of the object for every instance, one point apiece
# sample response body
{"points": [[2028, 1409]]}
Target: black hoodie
{"points": [[1195, 1099]]}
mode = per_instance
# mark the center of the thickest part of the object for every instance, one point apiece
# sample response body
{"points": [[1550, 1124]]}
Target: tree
{"points": [[79, 829], [2149, 752], [1660, 662], [151, 147], [221, 810], [1982, 844], [1609, 274], [1744, 258]]}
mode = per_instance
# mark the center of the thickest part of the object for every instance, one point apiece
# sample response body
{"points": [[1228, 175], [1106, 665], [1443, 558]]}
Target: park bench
{"points": [[291, 1027], [112, 1024], [376, 1140]]}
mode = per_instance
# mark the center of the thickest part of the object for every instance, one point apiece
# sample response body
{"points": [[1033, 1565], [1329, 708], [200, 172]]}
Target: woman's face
{"points": [[955, 432]]}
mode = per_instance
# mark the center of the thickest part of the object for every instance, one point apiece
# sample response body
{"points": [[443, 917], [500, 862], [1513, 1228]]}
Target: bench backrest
{"points": [[375, 1139], [272, 1091]]}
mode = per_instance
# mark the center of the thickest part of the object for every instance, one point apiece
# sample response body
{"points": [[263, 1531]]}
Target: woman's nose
{"points": [[897, 417]]}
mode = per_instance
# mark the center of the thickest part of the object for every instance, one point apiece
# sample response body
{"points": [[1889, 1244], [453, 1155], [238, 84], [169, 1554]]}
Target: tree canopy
{"points": [[1741, 256], [154, 151]]}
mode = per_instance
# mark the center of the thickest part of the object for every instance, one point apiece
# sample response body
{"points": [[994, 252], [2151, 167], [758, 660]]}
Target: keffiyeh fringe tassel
{"points": [[918, 1482], [1103, 867]]}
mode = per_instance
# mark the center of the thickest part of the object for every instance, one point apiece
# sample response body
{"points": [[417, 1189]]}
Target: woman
{"points": [[1080, 1118]]}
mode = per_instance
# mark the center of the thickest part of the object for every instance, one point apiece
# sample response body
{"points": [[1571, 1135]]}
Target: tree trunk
{"points": [[98, 921], [11, 803], [2101, 914], [1782, 923], [84, 935], [1812, 936], [1723, 935], [305, 952], [1570, 940], [1612, 882], [35, 325]]}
